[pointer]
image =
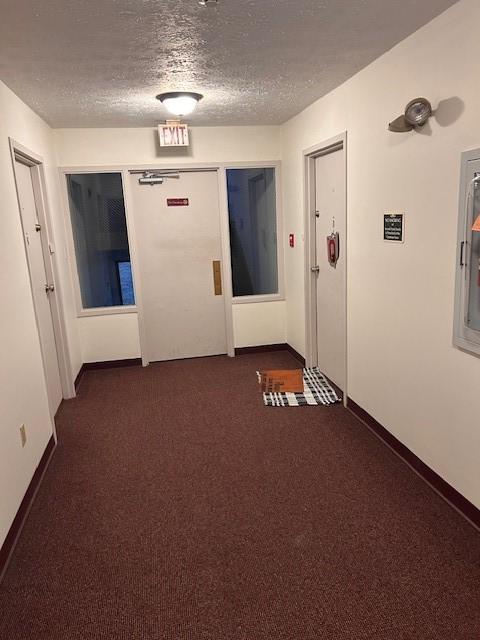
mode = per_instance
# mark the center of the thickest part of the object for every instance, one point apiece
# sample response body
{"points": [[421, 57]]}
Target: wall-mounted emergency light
{"points": [[417, 113]]}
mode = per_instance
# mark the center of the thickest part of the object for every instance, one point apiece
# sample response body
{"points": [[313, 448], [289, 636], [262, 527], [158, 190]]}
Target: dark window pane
{"points": [[99, 226], [253, 231]]}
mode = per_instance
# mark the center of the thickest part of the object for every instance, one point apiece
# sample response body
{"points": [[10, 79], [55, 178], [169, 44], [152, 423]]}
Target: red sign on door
{"points": [[177, 202]]}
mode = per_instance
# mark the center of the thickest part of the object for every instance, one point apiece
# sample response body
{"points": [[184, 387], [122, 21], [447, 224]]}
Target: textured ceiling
{"points": [[100, 63]]}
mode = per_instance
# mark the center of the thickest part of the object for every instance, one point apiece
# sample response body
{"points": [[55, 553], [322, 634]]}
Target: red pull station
{"points": [[291, 240]]}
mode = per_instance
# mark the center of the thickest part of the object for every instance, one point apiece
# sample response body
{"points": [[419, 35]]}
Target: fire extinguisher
{"points": [[333, 248]]}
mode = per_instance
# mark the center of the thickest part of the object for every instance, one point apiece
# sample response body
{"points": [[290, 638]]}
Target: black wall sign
{"points": [[393, 227]]}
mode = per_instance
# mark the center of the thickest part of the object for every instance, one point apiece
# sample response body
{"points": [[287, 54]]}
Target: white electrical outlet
{"points": [[23, 435]]}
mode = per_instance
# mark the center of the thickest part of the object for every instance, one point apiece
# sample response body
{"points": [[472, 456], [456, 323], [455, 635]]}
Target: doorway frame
{"points": [[326, 147], [138, 308], [37, 167], [221, 170], [134, 248]]}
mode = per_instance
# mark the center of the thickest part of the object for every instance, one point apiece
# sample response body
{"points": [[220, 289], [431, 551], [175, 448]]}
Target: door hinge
{"points": [[315, 269], [49, 288], [38, 227]]}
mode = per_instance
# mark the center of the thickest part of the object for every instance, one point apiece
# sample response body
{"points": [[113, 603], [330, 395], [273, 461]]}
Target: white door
{"points": [[331, 307], [183, 315], [38, 279]]}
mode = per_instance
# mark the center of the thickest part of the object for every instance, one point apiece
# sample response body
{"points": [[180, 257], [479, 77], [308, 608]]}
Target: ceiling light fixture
{"points": [[417, 112], [180, 103], [205, 3]]}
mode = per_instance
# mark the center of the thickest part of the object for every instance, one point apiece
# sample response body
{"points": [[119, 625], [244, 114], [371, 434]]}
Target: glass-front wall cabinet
{"points": [[467, 303], [473, 258]]}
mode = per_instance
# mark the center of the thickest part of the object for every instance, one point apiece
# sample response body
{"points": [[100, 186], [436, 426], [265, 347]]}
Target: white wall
{"points": [[23, 396], [403, 368], [92, 147], [259, 324], [140, 145], [100, 337]]}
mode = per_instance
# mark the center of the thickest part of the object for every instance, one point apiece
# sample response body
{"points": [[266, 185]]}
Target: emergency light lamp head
{"points": [[417, 113], [180, 103]]}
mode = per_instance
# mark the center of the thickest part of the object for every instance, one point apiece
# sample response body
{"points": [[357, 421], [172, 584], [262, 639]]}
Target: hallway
{"points": [[177, 506]]}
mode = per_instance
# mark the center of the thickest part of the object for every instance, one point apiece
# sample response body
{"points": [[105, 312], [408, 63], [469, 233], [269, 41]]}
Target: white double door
{"points": [[178, 240], [330, 284]]}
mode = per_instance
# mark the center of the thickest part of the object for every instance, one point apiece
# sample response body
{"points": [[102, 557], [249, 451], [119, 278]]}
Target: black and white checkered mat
{"points": [[316, 390]]}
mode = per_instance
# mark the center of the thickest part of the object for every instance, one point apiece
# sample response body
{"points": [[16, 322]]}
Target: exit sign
{"points": [[173, 134]]}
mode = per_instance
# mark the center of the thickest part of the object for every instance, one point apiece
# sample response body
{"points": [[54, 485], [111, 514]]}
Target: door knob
{"points": [[49, 288], [315, 269]]}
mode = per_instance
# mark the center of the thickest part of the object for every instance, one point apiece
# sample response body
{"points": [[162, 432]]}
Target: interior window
{"points": [[253, 231], [97, 212]]}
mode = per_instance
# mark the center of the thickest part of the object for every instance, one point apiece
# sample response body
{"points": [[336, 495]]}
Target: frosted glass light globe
{"points": [[180, 103]]}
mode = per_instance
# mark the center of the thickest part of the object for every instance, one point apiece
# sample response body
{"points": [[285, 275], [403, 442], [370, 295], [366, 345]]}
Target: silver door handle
{"points": [[49, 288], [315, 269]]}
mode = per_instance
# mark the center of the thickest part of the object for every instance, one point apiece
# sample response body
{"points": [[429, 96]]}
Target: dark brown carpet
{"points": [[178, 507]]}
